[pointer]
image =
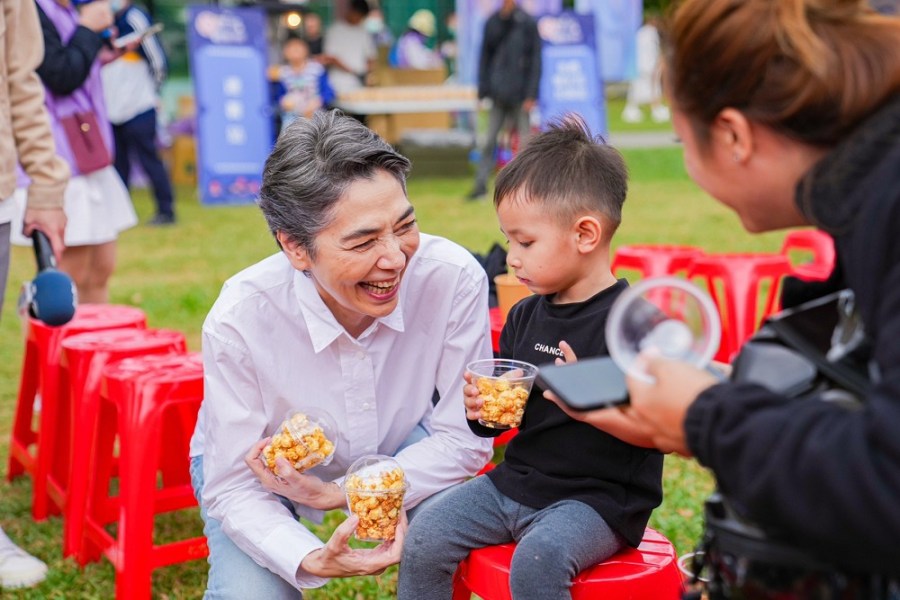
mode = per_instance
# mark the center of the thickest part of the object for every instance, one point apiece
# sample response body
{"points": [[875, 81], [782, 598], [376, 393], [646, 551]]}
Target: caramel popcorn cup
{"points": [[305, 439], [504, 386], [375, 486]]}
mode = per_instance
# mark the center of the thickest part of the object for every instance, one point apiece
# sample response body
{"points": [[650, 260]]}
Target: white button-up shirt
{"points": [[271, 346]]}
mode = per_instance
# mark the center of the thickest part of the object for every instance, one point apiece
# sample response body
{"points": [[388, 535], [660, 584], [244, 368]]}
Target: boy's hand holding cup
{"points": [[501, 390]]}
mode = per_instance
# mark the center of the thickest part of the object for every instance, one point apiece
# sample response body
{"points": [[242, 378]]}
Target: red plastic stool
{"points": [[40, 376], [648, 572], [734, 282], [655, 260], [150, 403], [816, 242], [83, 359]]}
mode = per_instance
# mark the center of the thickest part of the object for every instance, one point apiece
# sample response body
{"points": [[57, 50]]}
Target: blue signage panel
{"points": [[616, 23], [228, 67], [570, 82]]}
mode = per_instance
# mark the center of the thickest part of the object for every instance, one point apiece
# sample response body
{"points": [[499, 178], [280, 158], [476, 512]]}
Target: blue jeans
{"points": [[235, 576], [554, 543]]}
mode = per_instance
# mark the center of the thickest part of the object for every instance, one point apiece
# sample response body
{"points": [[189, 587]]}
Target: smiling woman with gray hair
{"points": [[358, 316]]}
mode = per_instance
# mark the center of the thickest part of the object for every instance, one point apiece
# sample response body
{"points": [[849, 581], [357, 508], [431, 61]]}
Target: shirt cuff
{"points": [[287, 564]]}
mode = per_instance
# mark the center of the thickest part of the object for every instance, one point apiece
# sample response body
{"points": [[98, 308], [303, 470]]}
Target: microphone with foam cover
{"points": [[53, 295]]}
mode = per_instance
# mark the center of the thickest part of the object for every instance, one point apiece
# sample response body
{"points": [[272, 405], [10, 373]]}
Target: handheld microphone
{"points": [[52, 295]]}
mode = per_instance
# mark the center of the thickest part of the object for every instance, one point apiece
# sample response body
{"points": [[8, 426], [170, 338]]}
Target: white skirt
{"points": [[98, 207]]}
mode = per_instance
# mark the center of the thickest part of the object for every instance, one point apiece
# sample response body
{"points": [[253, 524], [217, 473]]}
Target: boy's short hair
{"points": [[569, 172]]}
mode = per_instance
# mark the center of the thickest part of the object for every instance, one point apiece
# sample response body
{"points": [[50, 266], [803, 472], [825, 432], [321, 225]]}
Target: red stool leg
{"points": [[23, 435], [138, 465], [49, 423]]}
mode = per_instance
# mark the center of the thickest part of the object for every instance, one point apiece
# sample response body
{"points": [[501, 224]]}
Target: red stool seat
{"points": [[83, 358], [655, 260], [648, 572], [816, 242], [40, 378], [150, 403], [734, 281]]}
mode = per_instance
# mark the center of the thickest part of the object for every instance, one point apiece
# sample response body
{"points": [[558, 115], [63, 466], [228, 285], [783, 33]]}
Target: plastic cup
{"points": [[375, 486], [504, 386], [305, 438]]}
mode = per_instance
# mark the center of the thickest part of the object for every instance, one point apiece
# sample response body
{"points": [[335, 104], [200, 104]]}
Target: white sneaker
{"points": [[632, 114], [660, 113], [18, 569]]}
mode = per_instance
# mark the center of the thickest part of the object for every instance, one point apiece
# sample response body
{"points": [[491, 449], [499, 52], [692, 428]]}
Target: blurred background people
{"points": [[97, 203], [349, 50], [312, 33], [378, 29], [412, 50], [131, 84], [301, 81], [646, 87], [509, 74], [25, 139]]}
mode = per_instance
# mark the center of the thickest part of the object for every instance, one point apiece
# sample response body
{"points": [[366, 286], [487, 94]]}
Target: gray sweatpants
{"points": [[554, 543]]}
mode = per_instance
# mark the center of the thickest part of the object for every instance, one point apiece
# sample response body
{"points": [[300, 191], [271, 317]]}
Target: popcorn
{"points": [[375, 487], [302, 440], [504, 387], [504, 402]]}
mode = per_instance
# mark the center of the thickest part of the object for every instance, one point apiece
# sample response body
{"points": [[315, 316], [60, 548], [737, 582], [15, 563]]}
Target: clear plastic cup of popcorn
{"points": [[375, 486], [504, 386], [306, 438]]}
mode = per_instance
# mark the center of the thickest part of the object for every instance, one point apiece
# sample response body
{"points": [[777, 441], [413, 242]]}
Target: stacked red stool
{"points": [[149, 404], [83, 358], [815, 242], [655, 260], [33, 450], [735, 283], [648, 572]]}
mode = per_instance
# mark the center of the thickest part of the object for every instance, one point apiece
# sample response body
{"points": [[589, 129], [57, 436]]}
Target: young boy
{"points": [[301, 78], [570, 495]]}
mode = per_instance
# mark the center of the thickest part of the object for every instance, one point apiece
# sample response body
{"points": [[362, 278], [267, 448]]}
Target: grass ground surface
{"points": [[174, 274]]}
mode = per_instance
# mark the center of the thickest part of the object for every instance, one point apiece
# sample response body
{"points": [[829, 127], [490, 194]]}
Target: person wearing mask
{"points": [[97, 202], [26, 140], [131, 84], [789, 114], [312, 33], [509, 74]]}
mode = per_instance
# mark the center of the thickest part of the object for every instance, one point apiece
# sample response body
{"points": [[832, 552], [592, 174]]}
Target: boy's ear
{"points": [[297, 254], [588, 233]]}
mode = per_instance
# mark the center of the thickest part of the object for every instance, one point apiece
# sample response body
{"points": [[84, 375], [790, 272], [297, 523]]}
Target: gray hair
{"points": [[312, 165]]}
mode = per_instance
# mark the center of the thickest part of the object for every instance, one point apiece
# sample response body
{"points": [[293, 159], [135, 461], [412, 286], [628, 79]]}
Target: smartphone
{"points": [[587, 384], [137, 35]]}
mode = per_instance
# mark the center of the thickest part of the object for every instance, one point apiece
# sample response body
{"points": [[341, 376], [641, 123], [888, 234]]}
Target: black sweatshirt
{"points": [[826, 478], [66, 67], [554, 457]]}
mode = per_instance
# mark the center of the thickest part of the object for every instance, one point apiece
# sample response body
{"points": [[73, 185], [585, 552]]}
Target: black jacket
{"points": [[509, 68], [66, 66], [826, 477]]}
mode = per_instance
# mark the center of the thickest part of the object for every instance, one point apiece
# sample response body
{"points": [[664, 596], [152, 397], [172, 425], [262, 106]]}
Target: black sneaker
{"points": [[478, 193], [162, 220]]}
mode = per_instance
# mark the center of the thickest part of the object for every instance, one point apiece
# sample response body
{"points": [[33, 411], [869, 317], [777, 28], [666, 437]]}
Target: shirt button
{"points": [[366, 405], [361, 356]]}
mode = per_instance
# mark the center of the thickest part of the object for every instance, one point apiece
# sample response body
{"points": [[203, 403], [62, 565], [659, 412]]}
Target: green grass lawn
{"points": [[174, 274]]}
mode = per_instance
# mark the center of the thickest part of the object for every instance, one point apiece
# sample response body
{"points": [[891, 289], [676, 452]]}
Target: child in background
{"points": [[568, 495], [301, 78]]}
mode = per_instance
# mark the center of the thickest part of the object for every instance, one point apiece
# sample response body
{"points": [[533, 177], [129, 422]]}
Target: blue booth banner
{"points": [[472, 15], [570, 81], [616, 23], [228, 63]]}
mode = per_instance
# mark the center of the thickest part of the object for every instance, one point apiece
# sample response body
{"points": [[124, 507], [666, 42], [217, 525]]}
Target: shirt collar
{"points": [[320, 322]]}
